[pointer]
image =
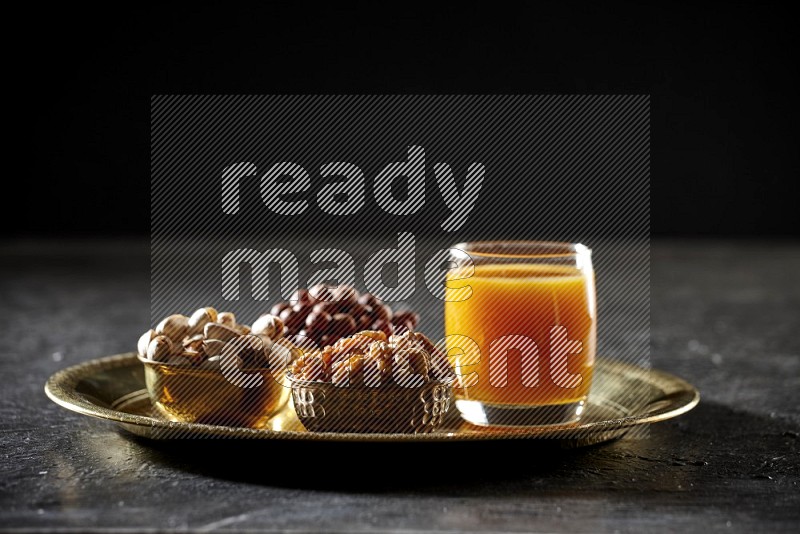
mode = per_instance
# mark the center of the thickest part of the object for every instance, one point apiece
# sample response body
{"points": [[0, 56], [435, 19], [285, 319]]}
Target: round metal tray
{"points": [[624, 399]]}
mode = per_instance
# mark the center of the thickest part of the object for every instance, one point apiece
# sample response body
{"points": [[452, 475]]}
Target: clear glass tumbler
{"points": [[520, 320]]}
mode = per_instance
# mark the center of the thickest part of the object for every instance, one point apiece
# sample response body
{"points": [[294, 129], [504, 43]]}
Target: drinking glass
{"points": [[520, 324]]}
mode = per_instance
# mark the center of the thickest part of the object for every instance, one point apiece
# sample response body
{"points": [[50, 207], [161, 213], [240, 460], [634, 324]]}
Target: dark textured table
{"points": [[725, 316]]}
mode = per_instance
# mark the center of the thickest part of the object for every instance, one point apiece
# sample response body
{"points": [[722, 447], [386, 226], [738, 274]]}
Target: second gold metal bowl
{"points": [[199, 395]]}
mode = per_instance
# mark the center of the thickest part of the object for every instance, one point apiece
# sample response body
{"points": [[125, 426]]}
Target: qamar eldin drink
{"points": [[524, 338]]}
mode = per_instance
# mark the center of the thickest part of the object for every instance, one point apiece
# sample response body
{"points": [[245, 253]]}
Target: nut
{"points": [[318, 321], [201, 339], [404, 320], [346, 294], [211, 364], [195, 356], [300, 296], [213, 347], [348, 371], [380, 350], [370, 359], [268, 325], [219, 331], [373, 334], [200, 318], [144, 342], [284, 351], [160, 349], [292, 319], [411, 367], [174, 327], [226, 318], [310, 367], [323, 292], [194, 343], [279, 307], [266, 343], [249, 350], [376, 370]]}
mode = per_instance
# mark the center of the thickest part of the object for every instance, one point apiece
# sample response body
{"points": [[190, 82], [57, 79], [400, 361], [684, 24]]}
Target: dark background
{"points": [[722, 79]]}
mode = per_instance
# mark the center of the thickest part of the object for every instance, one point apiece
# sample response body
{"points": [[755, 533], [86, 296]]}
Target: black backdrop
{"points": [[722, 80]]}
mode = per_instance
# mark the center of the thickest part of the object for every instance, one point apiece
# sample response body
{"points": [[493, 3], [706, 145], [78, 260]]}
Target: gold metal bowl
{"points": [[206, 396], [359, 409]]}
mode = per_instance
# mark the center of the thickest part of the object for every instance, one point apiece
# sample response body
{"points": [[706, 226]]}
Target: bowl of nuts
{"points": [[207, 368], [373, 383]]}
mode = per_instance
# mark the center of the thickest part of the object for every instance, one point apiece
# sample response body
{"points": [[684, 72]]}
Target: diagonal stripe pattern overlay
{"points": [[304, 174]]}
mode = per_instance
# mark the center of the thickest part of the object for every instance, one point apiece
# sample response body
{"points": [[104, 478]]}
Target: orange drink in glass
{"points": [[523, 336]]}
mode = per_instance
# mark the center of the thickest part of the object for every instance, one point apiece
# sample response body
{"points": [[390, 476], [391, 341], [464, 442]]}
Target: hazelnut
{"points": [[404, 321], [368, 300], [381, 312], [327, 307]]}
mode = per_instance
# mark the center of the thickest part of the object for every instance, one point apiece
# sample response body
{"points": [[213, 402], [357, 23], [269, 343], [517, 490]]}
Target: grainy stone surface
{"points": [[725, 316]]}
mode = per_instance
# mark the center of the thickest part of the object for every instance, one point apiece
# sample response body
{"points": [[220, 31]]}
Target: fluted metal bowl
{"points": [[389, 408]]}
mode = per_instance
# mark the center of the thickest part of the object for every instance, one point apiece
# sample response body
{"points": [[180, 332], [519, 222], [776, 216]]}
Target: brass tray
{"points": [[624, 399]]}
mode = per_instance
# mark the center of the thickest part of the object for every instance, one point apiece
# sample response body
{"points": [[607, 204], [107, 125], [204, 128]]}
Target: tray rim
{"points": [[60, 388]]}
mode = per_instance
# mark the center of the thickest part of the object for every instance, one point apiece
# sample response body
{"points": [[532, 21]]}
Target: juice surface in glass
{"points": [[523, 299]]}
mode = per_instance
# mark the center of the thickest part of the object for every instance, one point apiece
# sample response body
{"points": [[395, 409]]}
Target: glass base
{"points": [[483, 414]]}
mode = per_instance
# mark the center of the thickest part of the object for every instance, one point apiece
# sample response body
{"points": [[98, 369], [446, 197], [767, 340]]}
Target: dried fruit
{"points": [[324, 314]]}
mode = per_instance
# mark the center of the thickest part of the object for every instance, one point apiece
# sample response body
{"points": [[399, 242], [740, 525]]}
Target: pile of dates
{"points": [[325, 314]]}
